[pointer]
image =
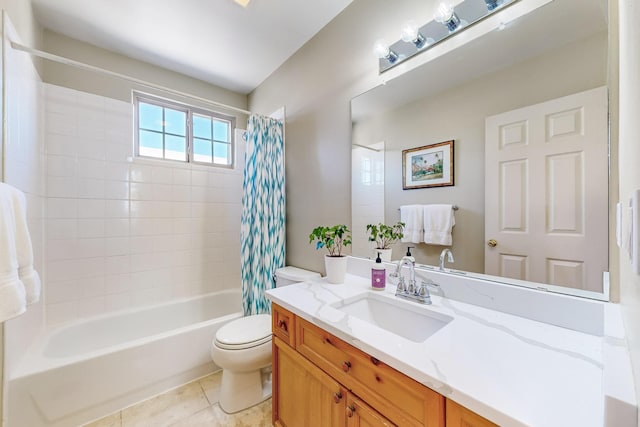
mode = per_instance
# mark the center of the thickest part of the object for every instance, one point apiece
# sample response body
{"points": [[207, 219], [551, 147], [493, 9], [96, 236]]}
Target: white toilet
{"points": [[242, 348]]}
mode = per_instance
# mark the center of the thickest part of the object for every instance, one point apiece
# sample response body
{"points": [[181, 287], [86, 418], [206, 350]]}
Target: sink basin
{"points": [[396, 316]]}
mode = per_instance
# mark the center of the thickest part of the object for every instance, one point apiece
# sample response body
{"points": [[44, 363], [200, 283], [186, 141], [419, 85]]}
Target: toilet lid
{"points": [[245, 332]]}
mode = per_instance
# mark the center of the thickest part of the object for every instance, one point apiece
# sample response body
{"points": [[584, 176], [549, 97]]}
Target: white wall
{"points": [[124, 234], [629, 174]]}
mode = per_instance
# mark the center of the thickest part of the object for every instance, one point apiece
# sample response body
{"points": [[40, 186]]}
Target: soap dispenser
{"points": [[378, 275]]}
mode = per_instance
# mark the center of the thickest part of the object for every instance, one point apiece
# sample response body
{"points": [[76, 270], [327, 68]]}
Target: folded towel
{"points": [[24, 250], [412, 216], [438, 222], [12, 292]]}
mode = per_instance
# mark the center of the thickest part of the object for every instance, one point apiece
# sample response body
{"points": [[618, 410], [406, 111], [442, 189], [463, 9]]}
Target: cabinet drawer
{"points": [[283, 324], [399, 398]]}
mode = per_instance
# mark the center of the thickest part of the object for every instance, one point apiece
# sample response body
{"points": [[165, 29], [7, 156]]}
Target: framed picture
{"points": [[428, 166]]}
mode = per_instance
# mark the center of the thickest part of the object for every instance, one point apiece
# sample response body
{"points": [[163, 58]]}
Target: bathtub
{"points": [[82, 371]]}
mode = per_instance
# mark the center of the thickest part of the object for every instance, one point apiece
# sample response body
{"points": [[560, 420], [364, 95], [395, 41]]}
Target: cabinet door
{"points": [[459, 416], [303, 394], [359, 414]]}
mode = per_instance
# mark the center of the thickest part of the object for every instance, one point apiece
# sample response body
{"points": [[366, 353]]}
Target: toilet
{"points": [[242, 348]]}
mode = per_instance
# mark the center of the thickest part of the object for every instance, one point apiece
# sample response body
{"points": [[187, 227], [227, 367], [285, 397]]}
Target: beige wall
{"points": [[629, 173], [92, 82], [316, 85], [573, 68]]}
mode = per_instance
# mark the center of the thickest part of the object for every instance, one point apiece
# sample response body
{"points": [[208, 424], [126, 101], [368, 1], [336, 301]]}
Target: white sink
{"points": [[396, 316]]}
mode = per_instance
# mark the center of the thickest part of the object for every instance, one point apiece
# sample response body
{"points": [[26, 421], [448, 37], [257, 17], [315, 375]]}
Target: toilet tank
{"points": [[289, 275]]}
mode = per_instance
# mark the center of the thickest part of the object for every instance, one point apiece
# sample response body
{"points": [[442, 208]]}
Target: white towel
{"points": [[438, 222], [24, 250], [12, 293], [412, 216]]}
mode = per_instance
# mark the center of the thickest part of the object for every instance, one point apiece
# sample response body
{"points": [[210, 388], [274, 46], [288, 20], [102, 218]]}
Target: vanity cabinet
{"points": [[303, 394], [359, 414], [320, 380], [459, 416]]}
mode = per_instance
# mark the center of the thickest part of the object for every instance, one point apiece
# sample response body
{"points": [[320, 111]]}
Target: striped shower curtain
{"points": [[262, 229]]}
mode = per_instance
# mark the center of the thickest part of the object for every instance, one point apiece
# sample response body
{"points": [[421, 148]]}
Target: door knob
{"points": [[492, 243]]}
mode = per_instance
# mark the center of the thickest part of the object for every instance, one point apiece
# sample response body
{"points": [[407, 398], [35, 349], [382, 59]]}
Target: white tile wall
{"points": [[121, 233], [367, 199]]}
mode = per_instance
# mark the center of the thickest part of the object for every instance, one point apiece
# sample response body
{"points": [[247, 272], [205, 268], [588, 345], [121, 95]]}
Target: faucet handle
{"points": [[412, 287], [401, 287]]}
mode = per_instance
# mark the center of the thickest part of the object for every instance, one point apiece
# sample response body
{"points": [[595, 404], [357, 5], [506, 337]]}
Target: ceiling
{"points": [[216, 41]]}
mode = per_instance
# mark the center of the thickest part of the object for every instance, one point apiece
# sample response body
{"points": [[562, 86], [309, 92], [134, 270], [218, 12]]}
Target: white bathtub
{"points": [[88, 369]]}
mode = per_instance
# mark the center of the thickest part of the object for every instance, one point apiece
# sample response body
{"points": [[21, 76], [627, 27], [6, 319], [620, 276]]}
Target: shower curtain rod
{"points": [[82, 65]]}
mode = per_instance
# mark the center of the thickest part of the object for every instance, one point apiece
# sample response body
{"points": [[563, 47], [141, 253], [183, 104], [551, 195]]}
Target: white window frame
{"points": [[190, 110]]}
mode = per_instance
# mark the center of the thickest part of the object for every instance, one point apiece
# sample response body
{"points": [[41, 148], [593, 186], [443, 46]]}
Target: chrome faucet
{"points": [[411, 291], [442, 254]]}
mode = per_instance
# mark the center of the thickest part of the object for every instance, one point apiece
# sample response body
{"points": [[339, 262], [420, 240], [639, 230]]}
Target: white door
{"points": [[546, 192]]}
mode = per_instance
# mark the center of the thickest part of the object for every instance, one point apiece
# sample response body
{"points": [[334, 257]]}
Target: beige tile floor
{"points": [[191, 405]]}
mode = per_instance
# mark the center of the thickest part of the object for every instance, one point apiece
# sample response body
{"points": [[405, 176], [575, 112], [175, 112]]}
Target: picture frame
{"points": [[428, 166]]}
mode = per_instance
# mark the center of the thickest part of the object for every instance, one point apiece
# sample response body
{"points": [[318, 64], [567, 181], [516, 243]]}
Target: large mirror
{"points": [[538, 79]]}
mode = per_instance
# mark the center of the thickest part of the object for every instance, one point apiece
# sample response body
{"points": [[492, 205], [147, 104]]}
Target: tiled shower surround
{"points": [[123, 232]]}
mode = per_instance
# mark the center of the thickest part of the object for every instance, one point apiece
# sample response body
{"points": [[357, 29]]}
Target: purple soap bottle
{"points": [[378, 275]]}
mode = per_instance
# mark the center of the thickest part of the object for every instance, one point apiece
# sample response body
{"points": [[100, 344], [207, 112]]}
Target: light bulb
{"points": [[410, 31], [444, 13], [381, 49]]}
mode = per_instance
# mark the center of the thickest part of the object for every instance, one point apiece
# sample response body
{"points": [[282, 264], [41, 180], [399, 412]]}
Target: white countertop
{"points": [[508, 369]]}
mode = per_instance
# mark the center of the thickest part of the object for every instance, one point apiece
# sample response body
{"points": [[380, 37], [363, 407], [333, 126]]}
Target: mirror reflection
{"points": [[526, 106]]}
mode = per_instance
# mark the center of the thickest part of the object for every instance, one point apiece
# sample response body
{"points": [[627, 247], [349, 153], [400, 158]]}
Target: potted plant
{"points": [[334, 239], [385, 236]]}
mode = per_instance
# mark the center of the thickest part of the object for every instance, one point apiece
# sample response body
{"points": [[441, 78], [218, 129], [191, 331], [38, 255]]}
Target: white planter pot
{"points": [[336, 268], [385, 254]]}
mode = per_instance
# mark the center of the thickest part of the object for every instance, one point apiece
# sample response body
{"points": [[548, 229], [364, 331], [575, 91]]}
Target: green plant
{"points": [[385, 235], [333, 238]]}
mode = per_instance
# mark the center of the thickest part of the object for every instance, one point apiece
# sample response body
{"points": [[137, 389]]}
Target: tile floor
{"points": [[191, 405]]}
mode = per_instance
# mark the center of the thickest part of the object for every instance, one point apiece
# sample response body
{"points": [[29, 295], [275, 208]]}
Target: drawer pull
{"points": [[282, 325], [346, 366], [337, 397], [374, 361], [327, 341], [351, 410]]}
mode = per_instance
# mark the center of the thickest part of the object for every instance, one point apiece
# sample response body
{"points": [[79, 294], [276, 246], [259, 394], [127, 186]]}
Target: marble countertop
{"points": [[508, 369]]}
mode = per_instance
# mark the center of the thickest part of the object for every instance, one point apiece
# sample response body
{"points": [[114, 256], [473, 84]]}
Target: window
{"points": [[173, 131]]}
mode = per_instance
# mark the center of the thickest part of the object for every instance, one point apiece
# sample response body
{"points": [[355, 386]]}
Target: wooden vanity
{"points": [[320, 380]]}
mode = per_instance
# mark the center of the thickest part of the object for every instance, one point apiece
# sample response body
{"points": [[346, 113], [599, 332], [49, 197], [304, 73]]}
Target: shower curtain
{"points": [[262, 230]]}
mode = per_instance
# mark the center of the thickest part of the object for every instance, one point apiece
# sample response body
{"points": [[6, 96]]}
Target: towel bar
{"points": [[454, 207]]}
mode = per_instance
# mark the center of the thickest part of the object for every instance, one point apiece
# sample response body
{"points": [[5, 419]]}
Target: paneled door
{"points": [[546, 192]]}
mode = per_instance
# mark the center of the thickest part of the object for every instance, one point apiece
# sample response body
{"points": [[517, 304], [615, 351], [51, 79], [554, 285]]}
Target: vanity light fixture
{"points": [[446, 15], [447, 22], [411, 34], [382, 51]]}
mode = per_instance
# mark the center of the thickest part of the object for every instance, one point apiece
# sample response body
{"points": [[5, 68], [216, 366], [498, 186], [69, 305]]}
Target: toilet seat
{"points": [[243, 333]]}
